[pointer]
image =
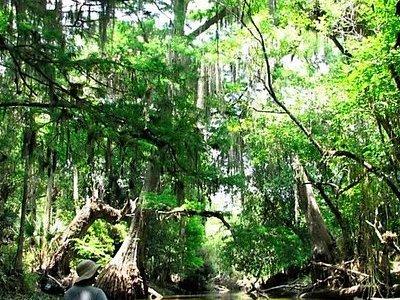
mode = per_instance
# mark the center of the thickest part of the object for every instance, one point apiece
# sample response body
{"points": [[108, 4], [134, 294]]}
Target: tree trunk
{"points": [[393, 138], [323, 245], [49, 196], [152, 176], [121, 279], [6, 189], [180, 8], [58, 265], [348, 244], [106, 14], [151, 184], [27, 149], [21, 237], [75, 188], [125, 277]]}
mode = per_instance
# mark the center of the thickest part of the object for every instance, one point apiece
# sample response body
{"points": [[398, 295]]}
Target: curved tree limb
{"points": [[202, 213], [90, 212], [270, 88]]}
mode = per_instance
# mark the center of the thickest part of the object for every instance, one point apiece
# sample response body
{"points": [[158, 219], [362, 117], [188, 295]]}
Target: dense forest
{"points": [[193, 146]]}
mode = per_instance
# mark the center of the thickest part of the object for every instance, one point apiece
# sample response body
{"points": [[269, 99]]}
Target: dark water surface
{"points": [[225, 296]]}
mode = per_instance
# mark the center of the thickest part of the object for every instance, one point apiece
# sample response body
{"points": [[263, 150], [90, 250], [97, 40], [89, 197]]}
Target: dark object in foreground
{"points": [[82, 288], [50, 285]]}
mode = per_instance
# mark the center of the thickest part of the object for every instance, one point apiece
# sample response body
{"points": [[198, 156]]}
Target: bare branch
{"points": [[340, 46], [345, 270], [202, 213], [268, 111], [351, 185], [207, 24], [377, 232]]}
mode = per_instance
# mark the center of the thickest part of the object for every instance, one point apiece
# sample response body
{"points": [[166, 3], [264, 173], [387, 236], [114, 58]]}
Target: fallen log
{"points": [[356, 292], [58, 265], [338, 268], [342, 293]]}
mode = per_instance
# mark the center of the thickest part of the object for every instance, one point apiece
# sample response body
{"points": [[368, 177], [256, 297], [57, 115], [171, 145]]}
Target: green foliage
{"points": [[264, 250], [164, 201], [6, 259], [23, 287], [193, 240], [4, 19], [99, 242], [108, 96]]}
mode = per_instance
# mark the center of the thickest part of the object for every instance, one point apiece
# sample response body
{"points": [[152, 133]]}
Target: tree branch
{"points": [[351, 185], [340, 46], [268, 111], [370, 168], [58, 104], [270, 88], [202, 213], [207, 24], [345, 270]]}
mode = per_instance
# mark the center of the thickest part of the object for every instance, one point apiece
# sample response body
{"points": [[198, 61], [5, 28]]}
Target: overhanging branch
{"points": [[58, 104], [207, 24], [202, 213], [269, 87], [370, 168], [340, 46]]}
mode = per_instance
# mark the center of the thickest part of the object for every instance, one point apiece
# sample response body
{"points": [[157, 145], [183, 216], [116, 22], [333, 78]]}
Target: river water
{"points": [[224, 296]]}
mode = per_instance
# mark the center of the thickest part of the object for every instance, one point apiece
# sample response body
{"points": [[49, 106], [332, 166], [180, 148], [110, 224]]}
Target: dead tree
{"points": [[58, 264]]}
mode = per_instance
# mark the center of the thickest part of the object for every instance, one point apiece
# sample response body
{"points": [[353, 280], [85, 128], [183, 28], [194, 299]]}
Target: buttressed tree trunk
{"points": [[121, 279], [124, 277], [323, 245]]}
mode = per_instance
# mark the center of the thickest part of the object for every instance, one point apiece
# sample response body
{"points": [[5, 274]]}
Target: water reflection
{"points": [[224, 296]]}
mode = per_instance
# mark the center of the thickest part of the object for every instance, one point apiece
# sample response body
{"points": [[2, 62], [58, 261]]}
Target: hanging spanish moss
{"points": [[106, 18]]}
